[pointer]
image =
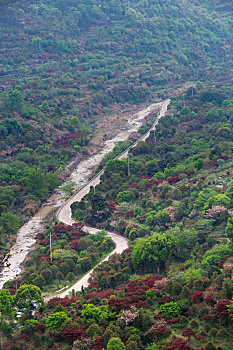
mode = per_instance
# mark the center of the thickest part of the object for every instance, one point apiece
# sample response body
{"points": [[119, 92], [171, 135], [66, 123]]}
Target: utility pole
{"points": [[128, 165], [94, 186], [50, 245]]}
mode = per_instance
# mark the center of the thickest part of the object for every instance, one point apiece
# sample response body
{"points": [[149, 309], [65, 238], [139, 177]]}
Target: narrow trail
{"points": [[64, 213]]}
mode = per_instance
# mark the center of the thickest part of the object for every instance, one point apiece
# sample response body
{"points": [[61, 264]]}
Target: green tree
{"points": [[68, 189], [55, 320], [28, 293], [36, 184], [115, 344], [39, 281], [153, 251], [230, 308], [6, 310], [218, 199], [9, 223], [123, 196], [98, 202], [13, 100], [59, 276], [47, 275], [84, 243], [6, 329], [213, 256], [90, 311], [152, 347], [170, 310], [53, 181], [94, 330], [75, 121], [203, 197], [30, 325], [186, 241], [6, 304], [162, 217]]}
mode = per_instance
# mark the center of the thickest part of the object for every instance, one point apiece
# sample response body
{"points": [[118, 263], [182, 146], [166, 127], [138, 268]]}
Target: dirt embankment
{"points": [[109, 126]]}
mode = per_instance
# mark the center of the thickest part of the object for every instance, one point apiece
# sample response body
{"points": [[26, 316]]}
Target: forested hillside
{"points": [[64, 63], [172, 289], [66, 67]]}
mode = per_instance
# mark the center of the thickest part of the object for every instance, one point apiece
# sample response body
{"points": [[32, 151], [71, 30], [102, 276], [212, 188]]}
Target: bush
{"points": [[183, 320], [222, 334], [210, 346], [93, 330], [213, 332], [222, 309], [194, 324], [170, 310], [115, 344]]}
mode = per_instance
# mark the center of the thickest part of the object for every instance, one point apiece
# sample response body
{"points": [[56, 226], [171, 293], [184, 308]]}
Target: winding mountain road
{"points": [[64, 213], [26, 237]]}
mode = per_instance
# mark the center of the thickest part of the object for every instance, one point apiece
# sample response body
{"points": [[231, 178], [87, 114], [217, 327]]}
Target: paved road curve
{"points": [[121, 244]]}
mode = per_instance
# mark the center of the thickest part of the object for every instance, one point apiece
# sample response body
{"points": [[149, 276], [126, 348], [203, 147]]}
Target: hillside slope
{"points": [[172, 289], [66, 65]]}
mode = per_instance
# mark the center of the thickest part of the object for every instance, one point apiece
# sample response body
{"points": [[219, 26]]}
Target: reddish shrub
{"points": [[78, 225], [222, 262], [158, 316], [117, 303], [127, 251], [164, 300], [197, 297], [173, 179], [188, 333], [173, 321], [222, 309], [199, 337], [12, 291], [105, 294], [209, 299], [206, 318], [94, 284], [69, 335], [129, 214], [161, 330], [99, 345], [179, 344], [74, 244]]}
